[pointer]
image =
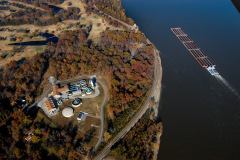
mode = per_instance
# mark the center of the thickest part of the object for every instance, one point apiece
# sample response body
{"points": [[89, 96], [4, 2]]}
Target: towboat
{"points": [[212, 70]]}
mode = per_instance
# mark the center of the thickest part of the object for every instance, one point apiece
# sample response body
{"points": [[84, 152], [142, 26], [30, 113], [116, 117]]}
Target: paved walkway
{"points": [[101, 115]]}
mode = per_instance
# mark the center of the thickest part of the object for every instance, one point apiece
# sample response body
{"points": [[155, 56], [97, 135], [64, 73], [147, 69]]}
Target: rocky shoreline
{"points": [[156, 110], [157, 98]]}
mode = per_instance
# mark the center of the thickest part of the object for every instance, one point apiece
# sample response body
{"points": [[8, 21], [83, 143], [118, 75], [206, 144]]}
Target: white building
{"points": [[67, 112], [93, 83]]}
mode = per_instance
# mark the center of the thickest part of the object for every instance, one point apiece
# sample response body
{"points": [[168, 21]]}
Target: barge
{"points": [[195, 51]]}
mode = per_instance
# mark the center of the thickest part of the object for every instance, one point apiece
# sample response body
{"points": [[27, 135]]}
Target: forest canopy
{"points": [[122, 57]]}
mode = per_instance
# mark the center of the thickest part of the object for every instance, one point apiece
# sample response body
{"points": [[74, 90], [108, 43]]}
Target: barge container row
{"points": [[195, 51]]}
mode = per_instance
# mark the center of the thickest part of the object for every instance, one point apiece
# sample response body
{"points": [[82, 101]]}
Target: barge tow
{"points": [[195, 51]]}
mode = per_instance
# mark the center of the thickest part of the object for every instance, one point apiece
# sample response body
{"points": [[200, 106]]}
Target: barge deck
{"points": [[195, 51]]}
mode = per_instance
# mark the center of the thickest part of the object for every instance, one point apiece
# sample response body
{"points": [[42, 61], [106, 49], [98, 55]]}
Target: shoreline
{"points": [[159, 134], [157, 98], [157, 107]]}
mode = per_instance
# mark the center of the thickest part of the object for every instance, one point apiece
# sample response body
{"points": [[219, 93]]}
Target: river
{"points": [[200, 115]]}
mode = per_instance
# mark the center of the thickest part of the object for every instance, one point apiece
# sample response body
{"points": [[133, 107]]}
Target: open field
{"points": [[8, 53], [56, 29], [26, 4], [7, 12], [83, 127], [75, 3], [17, 52]]}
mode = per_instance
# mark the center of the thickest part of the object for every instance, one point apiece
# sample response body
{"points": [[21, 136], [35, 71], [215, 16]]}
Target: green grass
{"points": [[39, 49], [63, 22], [25, 35], [4, 55], [83, 19], [95, 17]]}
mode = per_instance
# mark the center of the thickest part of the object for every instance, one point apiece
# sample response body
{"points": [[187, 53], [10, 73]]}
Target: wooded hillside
{"points": [[118, 56], [110, 7], [140, 142]]}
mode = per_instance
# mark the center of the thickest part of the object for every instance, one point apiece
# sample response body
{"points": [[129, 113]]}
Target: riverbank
{"points": [[189, 94], [158, 136], [157, 98], [157, 93]]}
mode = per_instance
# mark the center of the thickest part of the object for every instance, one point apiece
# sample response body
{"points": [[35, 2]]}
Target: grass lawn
{"points": [[84, 128], [39, 49], [4, 55]]}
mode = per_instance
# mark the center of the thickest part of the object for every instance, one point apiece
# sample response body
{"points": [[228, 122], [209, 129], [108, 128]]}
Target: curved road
{"points": [[138, 115], [101, 115]]}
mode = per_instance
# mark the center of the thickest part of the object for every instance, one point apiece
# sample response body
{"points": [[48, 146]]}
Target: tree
{"points": [[17, 153], [107, 136], [35, 139], [27, 120], [51, 13], [36, 4], [38, 131]]}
